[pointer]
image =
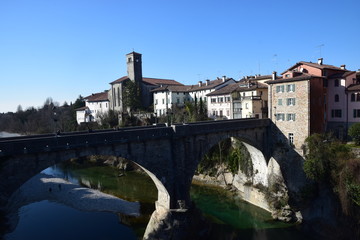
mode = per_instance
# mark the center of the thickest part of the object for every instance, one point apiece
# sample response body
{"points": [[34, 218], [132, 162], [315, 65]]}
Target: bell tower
{"points": [[134, 67]]}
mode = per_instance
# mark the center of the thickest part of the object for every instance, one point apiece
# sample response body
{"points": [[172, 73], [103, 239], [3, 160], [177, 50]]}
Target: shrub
{"points": [[354, 132]]}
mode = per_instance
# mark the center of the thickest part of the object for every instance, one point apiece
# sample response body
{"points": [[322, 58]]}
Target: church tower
{"points": [[134, 73], [134, 67]]}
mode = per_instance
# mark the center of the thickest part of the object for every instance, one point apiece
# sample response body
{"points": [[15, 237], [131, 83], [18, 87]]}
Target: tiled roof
{"points": [[81, 108], [151, 81], [172, 88], [316, 65], [256, 78], [224, 90], [159, 81], [97, 97], [341, 75], [353, 88], [210, 84], [191, 88], [119, 80], [303, 76], [238, 87]]}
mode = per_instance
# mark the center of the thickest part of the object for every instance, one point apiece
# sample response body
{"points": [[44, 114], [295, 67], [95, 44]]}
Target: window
{"points": [[221, 113], [246, 106], [290, 101], [336, 97], [279, 102], [290, 88], [336, 113], [336, 82], [280, 116], [356, 113], [213, 100], [163, 101], [156, 101], [357, 97], [291, 138], [280, 88], [227, 113], [227, 99], [177, 100], [353, 97], [221, 99], [290, 117]]}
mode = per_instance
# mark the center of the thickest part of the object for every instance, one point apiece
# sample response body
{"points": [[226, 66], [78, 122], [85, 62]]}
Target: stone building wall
{"points": [[300, 127]]}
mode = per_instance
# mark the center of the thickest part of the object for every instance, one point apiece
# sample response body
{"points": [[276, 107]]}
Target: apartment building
{"points": [[305, 100], [246, 99], [167, 96]]}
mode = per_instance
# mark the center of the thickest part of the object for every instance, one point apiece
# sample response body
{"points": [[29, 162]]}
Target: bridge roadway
{"points": [[169, 154]]}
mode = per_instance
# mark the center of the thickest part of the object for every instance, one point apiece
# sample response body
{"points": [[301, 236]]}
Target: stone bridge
{"points": [[169, 154]]}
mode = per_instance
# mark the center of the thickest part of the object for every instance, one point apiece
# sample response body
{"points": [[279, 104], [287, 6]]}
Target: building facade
{"points": [[167, 96], [303, 101], [145, 85], [246, 99], [96, 105]]}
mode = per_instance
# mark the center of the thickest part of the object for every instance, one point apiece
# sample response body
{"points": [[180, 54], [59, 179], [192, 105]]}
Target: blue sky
{"points": [[63, 49]]}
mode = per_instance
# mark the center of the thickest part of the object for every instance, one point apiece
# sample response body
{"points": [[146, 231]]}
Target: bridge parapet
{"points": [[46, 143], [219, 126]]}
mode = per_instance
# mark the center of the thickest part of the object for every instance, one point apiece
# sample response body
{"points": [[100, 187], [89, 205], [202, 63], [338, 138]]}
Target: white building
{"points": [[96, 105], [245, 99], [170, 95]]}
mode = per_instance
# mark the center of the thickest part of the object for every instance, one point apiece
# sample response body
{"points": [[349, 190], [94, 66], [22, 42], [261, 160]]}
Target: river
{"points": [[49, 218]]}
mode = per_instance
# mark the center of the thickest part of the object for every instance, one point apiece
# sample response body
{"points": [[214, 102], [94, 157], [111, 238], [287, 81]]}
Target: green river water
{"points": [[231, 217]]}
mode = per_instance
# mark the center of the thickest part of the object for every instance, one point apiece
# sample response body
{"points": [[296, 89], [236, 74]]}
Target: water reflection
{"points": [[230, 217], [51, 220]]}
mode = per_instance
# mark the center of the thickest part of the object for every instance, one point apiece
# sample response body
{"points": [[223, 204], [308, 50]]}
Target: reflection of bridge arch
{"points": [[168, 154]]}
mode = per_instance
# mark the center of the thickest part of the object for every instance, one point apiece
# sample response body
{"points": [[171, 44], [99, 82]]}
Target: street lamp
{"points": [[54, 118]]}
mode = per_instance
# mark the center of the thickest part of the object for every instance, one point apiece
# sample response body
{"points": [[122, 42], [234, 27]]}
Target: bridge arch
{"points": [[254, 148], [170, 154]]}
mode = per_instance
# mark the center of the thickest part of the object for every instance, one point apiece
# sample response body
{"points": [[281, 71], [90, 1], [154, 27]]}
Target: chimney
{"points": [[343, 67], [320, 61], [200, 83], [273, 76], [223, 78], [207, 82]]}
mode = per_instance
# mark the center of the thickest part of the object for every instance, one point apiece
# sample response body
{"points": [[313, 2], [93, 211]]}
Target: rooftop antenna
{"points": [[320, 46]]}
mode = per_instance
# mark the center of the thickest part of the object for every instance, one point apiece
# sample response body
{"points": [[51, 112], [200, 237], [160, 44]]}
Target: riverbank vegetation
{"points": [[229, 154], [332, 163]]}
